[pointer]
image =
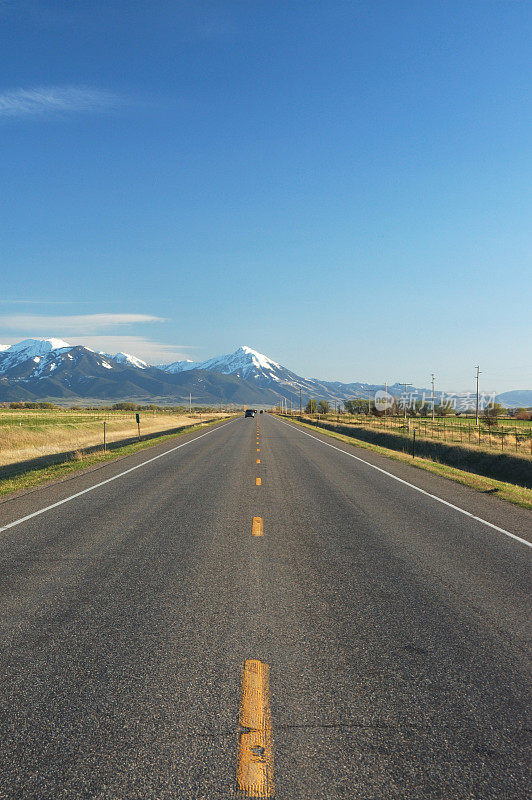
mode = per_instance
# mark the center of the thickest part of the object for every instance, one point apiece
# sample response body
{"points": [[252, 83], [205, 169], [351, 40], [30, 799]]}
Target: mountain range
{"points": [[52, 369]]}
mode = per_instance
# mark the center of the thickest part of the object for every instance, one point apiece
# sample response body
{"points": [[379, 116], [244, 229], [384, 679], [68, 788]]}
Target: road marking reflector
{"points": [[258, 460], [258, 482], [258, 449], [254, 773], [257, 528]]}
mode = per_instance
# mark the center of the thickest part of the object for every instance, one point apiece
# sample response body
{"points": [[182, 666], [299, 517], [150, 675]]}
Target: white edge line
{"points": [[412, 485], [108, 480]]}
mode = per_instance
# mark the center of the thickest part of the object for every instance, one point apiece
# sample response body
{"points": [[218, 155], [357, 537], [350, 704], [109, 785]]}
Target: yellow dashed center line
{"points": [[258, 460], [257, 528], [258, 482], [258, 449], [254, 773]]}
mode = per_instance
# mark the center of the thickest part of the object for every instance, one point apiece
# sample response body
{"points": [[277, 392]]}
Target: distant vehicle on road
{"points": [[262, 411], [250, 412]]}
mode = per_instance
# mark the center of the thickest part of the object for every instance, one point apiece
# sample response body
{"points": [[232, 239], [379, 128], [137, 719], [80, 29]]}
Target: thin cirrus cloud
{"points": [[109, 333], [41, 324], [151, 351], [49, 100]]}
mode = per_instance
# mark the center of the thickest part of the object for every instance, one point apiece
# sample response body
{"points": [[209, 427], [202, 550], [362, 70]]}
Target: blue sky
{"points": [[344, 186]]}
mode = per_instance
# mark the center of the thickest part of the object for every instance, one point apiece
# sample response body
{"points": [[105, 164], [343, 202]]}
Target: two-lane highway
{"points": [[251, 612]]}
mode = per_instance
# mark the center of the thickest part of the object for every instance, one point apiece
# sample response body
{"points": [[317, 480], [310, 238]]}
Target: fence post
{"points": [[104, 441], [414, 444]]}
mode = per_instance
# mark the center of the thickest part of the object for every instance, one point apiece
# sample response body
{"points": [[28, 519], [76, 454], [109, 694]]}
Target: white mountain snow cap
{"points": [[38, 350], [259, 360], [127, 358], [4, 347], [177, 366], [37, 347], [244, 362]]}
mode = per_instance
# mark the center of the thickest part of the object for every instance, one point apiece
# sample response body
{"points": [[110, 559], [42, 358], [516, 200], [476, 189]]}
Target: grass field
{"points": [[31, 433], [509, 435]]}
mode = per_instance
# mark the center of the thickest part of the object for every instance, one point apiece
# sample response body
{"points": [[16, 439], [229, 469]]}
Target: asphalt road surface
{"points": [[180, 631]]}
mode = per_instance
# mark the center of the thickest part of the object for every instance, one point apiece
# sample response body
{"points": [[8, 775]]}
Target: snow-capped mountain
{"points": [[36, 349], [127, 358], [45, 354], [245, 362], [265, 373], [177, 366], [52, 369]]}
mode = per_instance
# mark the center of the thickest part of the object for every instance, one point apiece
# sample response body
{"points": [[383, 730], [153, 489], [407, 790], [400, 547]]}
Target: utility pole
{"points": [[478, 373], [190, 402], [432, 381], [290, 405], [386, 393], [405, 385], [369, 402], [300, 401]]}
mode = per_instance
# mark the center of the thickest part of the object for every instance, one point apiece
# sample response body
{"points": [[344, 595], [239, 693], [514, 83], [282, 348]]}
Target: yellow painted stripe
{"points": [[258, 460], [257, 528], [258, 482], [258, 449], [254, 773]]}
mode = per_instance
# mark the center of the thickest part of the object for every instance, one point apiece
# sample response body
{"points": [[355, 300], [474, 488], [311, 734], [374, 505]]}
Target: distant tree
{"points": [[523, 413], [491, 414], [323, 407], [444, 410], [124, 406], [311, 406], [356, 406]]}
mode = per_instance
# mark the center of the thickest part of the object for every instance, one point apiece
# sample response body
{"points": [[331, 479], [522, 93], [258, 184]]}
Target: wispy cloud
{"points": [[49, 100], [110, 333], [81, 324], [150, 351]]}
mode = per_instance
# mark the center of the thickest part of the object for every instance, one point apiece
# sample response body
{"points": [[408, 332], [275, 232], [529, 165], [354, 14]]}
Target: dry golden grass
{"points": [[31, 434]]}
